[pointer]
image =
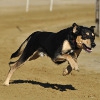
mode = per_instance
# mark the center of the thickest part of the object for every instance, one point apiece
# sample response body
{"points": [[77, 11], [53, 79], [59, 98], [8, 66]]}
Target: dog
{"points": [[65, 45]]}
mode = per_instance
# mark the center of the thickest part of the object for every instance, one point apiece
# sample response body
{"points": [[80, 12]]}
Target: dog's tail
{"points": [[20, 49], [25, 50], [16, 55]]}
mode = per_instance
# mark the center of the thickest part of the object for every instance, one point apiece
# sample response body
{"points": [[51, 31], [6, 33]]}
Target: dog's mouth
{"points": [[88, 49]]}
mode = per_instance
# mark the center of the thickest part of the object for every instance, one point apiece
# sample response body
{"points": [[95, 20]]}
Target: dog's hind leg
{"points": [[34, 56], [13, 67]]}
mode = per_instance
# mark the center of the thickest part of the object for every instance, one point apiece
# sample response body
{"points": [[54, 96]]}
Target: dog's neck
{"points": [[73, 43]]}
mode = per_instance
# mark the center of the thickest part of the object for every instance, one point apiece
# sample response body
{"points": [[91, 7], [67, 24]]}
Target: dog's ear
{"points": [[75, 28], [74, 24], [92, 28]]}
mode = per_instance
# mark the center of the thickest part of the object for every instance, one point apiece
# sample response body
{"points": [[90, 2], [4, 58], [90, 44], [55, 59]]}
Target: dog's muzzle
{"points": [[88, 49]]}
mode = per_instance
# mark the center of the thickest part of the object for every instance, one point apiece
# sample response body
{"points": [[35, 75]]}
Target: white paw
{"points": [[65, 72], [6, 84], [76, 68]]}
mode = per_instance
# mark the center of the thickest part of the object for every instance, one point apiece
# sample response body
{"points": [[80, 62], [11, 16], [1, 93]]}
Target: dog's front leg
{"points": [[76, 54], [71, 61], [72, 64], [67, 70]]}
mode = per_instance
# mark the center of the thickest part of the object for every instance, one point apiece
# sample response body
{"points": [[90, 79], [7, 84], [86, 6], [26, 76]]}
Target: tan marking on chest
{"points": [[92, 34], [66, 47]]}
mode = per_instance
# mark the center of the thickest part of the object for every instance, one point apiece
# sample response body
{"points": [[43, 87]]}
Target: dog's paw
{"points": [[6, 84], [76, 68], [65, 72]]}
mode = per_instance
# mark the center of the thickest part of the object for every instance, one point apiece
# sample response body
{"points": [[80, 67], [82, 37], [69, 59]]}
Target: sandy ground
{"points": [[42, 79]]}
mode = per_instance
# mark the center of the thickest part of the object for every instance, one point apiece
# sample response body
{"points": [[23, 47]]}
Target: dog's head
{"points": [[85, 38]]}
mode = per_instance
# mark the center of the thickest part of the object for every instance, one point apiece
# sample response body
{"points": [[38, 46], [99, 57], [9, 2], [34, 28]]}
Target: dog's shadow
{"points": [[59, 87]]}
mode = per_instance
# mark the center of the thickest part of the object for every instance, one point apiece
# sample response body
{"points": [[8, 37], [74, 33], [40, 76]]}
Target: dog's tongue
{"points": [[89, 50]]}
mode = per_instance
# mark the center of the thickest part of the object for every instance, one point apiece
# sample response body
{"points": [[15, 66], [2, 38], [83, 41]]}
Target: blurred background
{"points": [[14, 3], [38, 15]]}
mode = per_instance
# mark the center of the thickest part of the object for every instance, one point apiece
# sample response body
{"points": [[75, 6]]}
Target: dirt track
{"points": [[42, 79]]}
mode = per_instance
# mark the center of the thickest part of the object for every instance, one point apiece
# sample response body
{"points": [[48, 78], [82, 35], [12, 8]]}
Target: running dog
{"points": [[62, 46]]}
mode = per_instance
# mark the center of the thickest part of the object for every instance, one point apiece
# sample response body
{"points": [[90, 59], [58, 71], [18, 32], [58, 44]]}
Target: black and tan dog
{"points": [[62, 46]]}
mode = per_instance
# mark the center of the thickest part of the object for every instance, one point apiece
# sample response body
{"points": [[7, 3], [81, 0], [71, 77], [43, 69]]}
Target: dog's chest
{"points": [[65, 47]]}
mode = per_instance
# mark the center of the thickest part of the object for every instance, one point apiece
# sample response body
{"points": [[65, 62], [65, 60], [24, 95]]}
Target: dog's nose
{"points": [[93, 45]]}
